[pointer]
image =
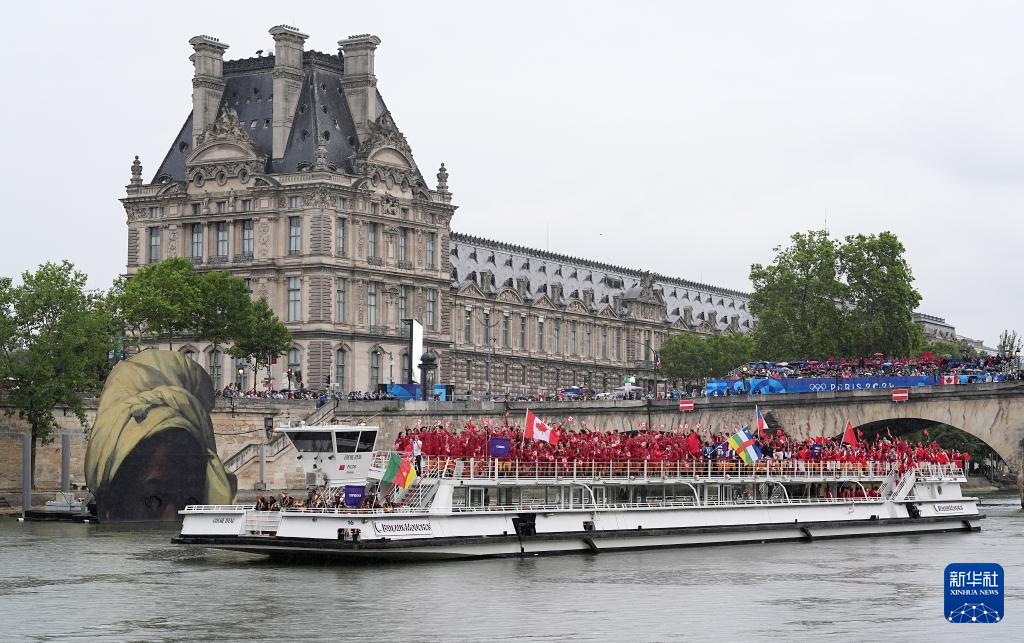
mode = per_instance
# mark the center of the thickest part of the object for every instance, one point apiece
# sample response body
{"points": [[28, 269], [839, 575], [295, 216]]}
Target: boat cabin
{"points": [[333, 454]]}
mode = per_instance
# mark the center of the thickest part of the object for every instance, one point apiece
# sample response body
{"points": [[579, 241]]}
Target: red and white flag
{"points": [[537, 429], [949, 379], [900, 394], [685, 405]]}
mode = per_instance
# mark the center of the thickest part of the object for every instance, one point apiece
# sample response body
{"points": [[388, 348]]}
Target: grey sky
{"points": [[687, 138]]}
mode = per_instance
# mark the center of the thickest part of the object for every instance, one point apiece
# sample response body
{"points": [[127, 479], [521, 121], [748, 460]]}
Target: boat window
{"points": [[366, 440], [347, 441], [311, 441], [459, 497], [533, 496]]}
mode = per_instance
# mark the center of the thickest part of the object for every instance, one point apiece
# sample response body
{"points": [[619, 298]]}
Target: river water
{"points": [[116, 582]]}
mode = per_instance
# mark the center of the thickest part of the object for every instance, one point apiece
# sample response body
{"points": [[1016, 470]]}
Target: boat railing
{"points": [[689, 470], [587, 505]]}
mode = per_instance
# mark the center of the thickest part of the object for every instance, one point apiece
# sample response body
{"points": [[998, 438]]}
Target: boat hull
{"points": [[575, 542]]}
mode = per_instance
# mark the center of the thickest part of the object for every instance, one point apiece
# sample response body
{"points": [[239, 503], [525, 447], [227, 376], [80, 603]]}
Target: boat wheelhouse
{"points": [[468, 508]]}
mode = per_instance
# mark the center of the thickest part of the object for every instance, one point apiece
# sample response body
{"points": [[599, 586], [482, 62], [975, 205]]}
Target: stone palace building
{"points": [[292, 173]]}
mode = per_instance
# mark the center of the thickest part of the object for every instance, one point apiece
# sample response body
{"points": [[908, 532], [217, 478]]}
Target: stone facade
{"points": [[292, 173]]}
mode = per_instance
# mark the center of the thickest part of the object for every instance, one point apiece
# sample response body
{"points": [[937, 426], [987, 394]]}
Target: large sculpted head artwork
{"points": [[152, 450]]}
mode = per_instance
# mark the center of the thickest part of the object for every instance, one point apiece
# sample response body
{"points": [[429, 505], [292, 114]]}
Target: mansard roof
{"points": [[472, 255], [322, 110]]}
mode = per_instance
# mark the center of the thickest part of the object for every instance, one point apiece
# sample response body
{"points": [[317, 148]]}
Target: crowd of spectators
{"points": [[878, 365]]}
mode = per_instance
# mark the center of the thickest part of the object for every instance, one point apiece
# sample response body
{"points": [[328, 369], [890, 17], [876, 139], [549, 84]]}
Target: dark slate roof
{"points": [[173, 167], [471, 256], [322, 110]]}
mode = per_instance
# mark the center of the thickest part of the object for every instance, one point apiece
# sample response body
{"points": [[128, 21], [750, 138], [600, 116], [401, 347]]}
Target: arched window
{"points": [[406, 367], [190, 354], [213, 366], [339, 369]]}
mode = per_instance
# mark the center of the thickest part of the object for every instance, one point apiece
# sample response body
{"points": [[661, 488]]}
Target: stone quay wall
{"points": [[995, 413]]}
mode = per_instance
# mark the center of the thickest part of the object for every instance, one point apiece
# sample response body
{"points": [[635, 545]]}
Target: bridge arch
{"points": [[993, 413]]}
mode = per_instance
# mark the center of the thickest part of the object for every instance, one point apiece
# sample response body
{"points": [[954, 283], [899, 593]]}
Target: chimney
{"points": [[207, 82], [359, 82], [288, 43]]}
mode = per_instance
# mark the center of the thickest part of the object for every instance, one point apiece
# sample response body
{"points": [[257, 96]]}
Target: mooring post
{"points": [[65, 463], [26, 472]]}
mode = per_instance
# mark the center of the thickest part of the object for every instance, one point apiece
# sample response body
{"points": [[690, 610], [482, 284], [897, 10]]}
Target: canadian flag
{"points": [[539, 430], [949, 379]]}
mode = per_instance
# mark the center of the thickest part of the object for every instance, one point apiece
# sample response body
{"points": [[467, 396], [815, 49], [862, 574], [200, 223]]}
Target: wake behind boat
{"points": [[472, 507]]}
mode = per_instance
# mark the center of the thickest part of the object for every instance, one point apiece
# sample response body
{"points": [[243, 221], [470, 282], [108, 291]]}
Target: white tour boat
{"points": [[460, 508]]}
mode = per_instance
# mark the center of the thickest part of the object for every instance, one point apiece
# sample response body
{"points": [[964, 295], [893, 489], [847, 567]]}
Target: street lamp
{"points": [[238, 382], [654, 352]]}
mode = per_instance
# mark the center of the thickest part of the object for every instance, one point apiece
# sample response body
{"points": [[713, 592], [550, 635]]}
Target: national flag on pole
{"points": [[538, 430], [762, 425], [685, 405], [657, 361], [744, 446], [399, 472], [848, 436], [900, 394]]}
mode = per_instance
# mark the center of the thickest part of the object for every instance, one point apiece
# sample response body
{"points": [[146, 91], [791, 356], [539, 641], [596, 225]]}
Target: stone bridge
{"points": [[993, 413]]}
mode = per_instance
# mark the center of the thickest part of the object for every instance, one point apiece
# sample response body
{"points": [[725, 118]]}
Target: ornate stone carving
{"points": [[384, 133], [264, 239], [321, 154], [320, 199], [225, 128], [389, 206], [138, 212], [136, 171], [442, 179], [282, 202], [172, 242]]}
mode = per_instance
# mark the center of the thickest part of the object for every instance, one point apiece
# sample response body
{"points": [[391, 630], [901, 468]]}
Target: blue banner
{"points": [[499, 447], [766, 386], [354, 494], [412, 391]]}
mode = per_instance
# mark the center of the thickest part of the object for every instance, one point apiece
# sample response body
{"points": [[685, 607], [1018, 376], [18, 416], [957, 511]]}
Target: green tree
{"points": [[880, 295], [56, 341], [796, 299], [260, 337], [224, 308], [821, 297], [160, 302], [692, 357]]}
